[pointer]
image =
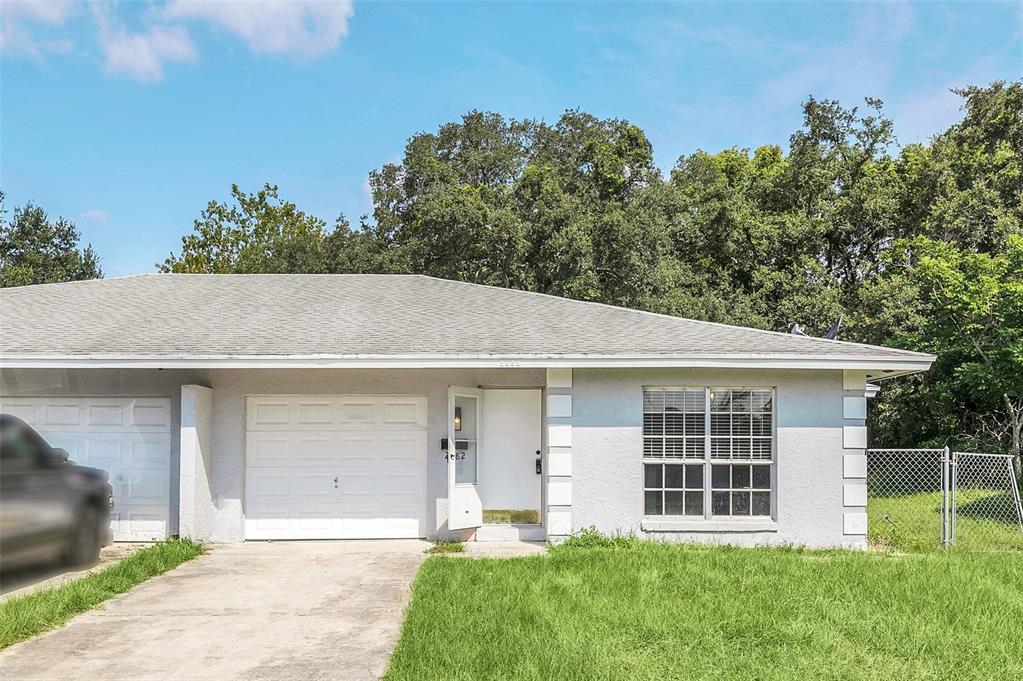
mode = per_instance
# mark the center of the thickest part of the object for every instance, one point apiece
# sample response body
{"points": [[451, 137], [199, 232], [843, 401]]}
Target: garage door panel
{"points": [[402, 412], [313, 485], [400, 486], [311, 519], [268, 486], [105, 415], [268, 450], [139, 488], [360, 490], [314, 450], [60, 414], [314, 413], [357, 448], [150, 450], [23, 409], [270, 518], [300, 445], [357, 413], [105, 451], [149, 414], [128, 437], [139, 524], [265, 413], [336, 413]]}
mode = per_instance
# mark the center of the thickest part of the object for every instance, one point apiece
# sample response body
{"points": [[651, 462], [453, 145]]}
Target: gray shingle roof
{"points": [[184, 315]]}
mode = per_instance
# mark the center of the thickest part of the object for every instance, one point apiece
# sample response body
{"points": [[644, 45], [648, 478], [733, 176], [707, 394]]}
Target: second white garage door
{"points": [[128, 437], [335, 467]]}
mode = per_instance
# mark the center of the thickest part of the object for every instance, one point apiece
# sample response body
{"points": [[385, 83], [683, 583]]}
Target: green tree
{"points": [[967, 186], [37, 250], [763, 237], [260, 233], [974, 324]]}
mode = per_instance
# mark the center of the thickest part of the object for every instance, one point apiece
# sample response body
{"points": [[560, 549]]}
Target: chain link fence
{"points": [[921, 499]]}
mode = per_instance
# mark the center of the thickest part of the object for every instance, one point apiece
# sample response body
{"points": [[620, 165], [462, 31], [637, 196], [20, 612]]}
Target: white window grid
{"points": [[738, 429]]}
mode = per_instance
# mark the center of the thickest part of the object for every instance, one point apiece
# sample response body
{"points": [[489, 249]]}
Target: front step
{"points": [[510, 533]]}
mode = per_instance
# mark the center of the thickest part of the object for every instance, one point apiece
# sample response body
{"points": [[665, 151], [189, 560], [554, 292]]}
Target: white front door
{"points": [[335, 467], [465, 510], [128, 437], [510, 477]]}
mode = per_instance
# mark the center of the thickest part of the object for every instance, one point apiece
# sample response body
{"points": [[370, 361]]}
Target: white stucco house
{"points": [[249, 407]]}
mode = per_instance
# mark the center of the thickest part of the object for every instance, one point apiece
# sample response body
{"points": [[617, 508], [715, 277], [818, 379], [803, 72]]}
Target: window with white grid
{"points": [[674, 422], [723, 440]]}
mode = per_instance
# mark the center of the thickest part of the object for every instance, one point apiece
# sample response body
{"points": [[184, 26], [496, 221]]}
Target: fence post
{"points": [[955, 485], [1015, 492], [945, 481]]}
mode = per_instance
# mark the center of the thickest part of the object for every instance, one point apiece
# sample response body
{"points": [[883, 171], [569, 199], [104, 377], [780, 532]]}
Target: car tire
{"points": [[84, 542]]}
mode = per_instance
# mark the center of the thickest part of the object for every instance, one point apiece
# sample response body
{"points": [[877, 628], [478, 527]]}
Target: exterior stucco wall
{"points": [[230, 388], [607, 471], [596, 475]]}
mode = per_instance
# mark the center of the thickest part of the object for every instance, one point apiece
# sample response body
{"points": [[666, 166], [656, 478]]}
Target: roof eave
{"points": [[883, 367]]}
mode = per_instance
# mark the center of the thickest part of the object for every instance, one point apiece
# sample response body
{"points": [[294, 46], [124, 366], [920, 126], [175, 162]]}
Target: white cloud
{"points": [[16, 21], [141, 55], [301, 28], [95, 215]]}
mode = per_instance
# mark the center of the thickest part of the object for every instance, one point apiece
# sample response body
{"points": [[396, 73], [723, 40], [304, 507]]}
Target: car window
{"points": [[19, 442]]}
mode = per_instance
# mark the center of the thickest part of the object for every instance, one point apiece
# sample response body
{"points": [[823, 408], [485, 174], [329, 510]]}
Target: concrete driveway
{"points": [[282, 610]]}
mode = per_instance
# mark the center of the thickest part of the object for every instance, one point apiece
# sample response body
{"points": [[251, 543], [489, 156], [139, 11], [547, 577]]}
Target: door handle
{"points": [[335, 482]]}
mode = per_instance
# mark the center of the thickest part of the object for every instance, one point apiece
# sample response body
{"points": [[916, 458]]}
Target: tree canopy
{"points": [[915, 246], [37, 250]]}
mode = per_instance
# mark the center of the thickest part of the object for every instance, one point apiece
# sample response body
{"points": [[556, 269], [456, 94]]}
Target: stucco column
{"points": [[195, 519], [854, 459], [558, 475]]}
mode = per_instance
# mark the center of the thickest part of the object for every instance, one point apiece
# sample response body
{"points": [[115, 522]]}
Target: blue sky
{"points": [[128, 117]]}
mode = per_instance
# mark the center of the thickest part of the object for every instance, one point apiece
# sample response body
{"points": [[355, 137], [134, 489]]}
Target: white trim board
{"points": [[875, 368]]}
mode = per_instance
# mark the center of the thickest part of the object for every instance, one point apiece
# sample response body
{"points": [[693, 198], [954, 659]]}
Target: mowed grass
{"points": [[25, 616], [986, 521], [656, 611]]}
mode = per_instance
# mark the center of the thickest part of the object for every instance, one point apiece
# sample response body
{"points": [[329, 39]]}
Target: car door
{"points": [[34, 510]]}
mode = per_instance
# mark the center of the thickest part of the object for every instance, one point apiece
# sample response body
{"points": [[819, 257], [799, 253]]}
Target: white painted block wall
{"points": [[607, 479]]}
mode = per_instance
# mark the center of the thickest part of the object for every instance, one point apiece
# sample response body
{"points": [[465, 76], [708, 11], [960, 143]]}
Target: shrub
{"points": [[591, 538]]}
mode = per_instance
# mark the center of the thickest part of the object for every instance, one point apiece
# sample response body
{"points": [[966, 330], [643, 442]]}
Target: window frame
{"points": [[707, 460]]}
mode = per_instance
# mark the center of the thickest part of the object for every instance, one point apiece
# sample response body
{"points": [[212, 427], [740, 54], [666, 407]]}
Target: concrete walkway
{"points": [[282, 610], [502, 549]]}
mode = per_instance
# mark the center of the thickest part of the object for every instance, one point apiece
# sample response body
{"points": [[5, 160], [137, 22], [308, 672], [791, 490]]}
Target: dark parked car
{"points": [[51, 509]]}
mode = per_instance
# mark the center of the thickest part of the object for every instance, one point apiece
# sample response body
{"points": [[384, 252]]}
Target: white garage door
{"points": [[128, 437], [335, 467]]}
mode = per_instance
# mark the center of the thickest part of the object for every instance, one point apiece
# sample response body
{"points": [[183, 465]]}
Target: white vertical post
{"points": [[1015, 491], [195, 519], [955, 484], [945, 482]]}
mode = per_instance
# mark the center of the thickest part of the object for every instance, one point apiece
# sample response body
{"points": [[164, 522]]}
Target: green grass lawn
{"points": [[655, 611], [25, 616], [447, 547], [912, 522]]}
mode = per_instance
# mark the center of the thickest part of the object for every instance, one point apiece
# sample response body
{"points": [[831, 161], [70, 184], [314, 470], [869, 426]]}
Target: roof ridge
{"points": [[94, 280]]}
